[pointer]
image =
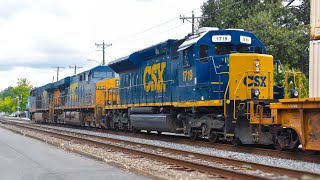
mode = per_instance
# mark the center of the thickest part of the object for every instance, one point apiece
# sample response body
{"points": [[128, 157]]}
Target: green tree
{"points": [[282, 29], [10, 96], [22, 91], [7, 92], [8, 105]]}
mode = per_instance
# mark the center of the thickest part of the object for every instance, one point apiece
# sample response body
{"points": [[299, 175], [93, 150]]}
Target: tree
{"points": [[8, 105], [22, 91], [10, 96], [283, 30], [7, 92]]}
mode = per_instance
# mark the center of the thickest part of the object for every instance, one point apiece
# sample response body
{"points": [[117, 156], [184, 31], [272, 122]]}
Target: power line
{"points": [[75, 67], [156, 26], [103, 46], [58, 70], [290, 3]]}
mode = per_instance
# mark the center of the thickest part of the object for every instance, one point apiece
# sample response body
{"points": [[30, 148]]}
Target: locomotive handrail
{"points": [[286, 85], [225, 96], [236, 90]]}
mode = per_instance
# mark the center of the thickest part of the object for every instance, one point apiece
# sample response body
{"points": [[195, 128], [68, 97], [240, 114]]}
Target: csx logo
{"points": [[155, 75], [256, 81]]}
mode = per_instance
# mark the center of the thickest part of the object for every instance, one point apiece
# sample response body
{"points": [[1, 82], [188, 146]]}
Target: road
{"points": [[23, 158]]}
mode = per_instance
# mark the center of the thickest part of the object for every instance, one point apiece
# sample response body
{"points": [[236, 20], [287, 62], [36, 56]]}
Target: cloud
{"points": [[36, 34]]}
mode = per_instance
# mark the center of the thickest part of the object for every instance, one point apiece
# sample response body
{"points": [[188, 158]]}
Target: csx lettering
{"points": [[155, 74], [256, 81]]}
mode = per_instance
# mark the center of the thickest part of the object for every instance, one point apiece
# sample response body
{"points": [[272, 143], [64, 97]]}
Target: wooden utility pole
{"points": [[103, 46], [193, 18], [58, 70], [75, 68]]}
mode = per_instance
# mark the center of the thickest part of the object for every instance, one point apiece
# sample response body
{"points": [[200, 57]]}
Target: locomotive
{"points": [[215, 84], [76, 100]]}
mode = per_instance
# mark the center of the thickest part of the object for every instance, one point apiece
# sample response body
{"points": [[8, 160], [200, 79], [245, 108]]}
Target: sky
{"points": [[37, 35]]}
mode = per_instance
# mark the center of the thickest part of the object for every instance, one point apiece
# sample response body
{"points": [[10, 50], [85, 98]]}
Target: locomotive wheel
{"points": [[134, 130], [236, 142], [213, 137], [193, 135]]}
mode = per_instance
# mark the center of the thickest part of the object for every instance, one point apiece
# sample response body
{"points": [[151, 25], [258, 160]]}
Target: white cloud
{"points": [[36, 35]]}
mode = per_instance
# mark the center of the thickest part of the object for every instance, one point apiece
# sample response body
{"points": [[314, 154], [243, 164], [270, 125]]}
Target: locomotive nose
{"points": [[251, 76]]}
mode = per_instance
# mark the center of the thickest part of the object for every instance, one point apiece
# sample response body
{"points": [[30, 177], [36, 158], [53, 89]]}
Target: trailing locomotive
{"points": [[215, 84], [77, 100]]}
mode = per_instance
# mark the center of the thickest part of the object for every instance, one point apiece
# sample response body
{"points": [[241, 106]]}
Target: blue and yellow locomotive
{"points": [[77, 100], [201, 86]]}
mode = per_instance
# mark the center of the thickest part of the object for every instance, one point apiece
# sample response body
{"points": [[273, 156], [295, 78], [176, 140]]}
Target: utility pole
{"points": [[103, 46], [58, 70], [193, 18], [75, 68]]}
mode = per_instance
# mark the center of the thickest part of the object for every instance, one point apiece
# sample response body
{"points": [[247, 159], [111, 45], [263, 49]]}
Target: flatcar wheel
{"points": [[277, 145], [193, 135], [213, 137], [294, 143]]}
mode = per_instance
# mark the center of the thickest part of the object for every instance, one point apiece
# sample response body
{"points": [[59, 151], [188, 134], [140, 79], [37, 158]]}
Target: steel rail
{"points": [[301, 156], [228, 161]]}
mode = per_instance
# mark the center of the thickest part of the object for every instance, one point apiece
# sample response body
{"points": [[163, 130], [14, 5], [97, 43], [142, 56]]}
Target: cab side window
{"points": [[185, 57], [204, 52]]}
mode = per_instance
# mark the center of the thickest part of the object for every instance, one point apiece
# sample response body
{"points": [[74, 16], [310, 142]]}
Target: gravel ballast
{"points": [[272, 161]]}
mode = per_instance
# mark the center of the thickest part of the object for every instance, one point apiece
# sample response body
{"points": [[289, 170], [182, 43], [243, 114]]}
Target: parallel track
{"points": [[300, 156], [100, 141]]}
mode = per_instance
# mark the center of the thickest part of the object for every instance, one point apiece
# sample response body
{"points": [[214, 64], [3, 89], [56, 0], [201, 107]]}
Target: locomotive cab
{"points": [[228, 69]]}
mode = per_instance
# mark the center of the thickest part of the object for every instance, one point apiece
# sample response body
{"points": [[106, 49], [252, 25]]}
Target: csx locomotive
{"points": [[215, 84]]}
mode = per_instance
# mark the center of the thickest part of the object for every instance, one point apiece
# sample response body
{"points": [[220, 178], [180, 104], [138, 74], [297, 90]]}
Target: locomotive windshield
{"points": [[102, 74], [222, 49]]}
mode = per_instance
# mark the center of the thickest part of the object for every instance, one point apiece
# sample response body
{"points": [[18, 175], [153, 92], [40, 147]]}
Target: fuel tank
{"points": [[74, 118], [155, 122]]}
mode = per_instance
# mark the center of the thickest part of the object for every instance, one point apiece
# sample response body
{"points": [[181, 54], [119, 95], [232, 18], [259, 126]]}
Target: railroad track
{"points": [[300, 156], [224, 167]]}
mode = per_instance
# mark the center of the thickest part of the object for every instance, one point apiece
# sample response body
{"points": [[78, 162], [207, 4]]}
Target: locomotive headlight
{"points": [[255, 93], [294, 93], [257, 68]]}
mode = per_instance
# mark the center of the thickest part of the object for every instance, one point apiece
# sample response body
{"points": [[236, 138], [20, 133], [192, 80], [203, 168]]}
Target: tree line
{"points": [[13, 96]]}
